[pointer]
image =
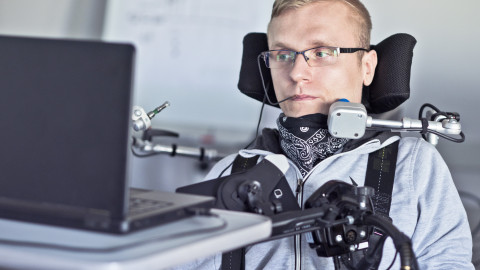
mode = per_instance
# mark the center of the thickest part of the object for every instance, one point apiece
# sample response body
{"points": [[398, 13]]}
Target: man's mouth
{"points": [[302, 97]]}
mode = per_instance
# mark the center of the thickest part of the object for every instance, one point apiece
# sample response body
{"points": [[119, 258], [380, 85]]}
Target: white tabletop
{"points": [[34, 246]]}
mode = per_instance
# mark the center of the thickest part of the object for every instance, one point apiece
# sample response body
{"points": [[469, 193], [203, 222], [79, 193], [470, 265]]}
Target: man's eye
{"points": [[283, 57], [321, 53]]}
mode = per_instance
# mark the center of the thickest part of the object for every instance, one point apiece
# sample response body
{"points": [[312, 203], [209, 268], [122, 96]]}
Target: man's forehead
{"points": [[305, 44], [345, 5], [324, 23]]}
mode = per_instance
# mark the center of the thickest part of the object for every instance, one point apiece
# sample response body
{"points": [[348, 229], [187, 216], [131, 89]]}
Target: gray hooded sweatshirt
{"points": [[425, 206]]}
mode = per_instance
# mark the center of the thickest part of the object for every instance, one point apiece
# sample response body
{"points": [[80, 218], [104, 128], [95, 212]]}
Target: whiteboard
{"points": [[188, 52]]}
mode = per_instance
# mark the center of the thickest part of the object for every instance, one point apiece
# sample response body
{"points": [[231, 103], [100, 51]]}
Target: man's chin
{"points": [[299, 109], [300, 113]]}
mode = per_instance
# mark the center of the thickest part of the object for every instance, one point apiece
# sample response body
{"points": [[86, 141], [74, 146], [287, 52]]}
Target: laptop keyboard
{"points": [[138, 205]]}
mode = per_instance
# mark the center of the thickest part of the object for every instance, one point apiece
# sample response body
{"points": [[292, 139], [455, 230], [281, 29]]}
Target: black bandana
{"points": [[306, 140]]}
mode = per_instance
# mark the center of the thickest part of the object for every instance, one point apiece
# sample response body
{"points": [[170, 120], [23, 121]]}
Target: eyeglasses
{"points": [[315, 57]]}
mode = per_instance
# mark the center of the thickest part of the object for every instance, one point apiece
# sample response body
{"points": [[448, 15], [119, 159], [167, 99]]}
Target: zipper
{"points": [[299, 194], [297, 237]]}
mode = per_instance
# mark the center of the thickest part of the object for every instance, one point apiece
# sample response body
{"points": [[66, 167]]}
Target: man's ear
{"points": [[369, 63]]}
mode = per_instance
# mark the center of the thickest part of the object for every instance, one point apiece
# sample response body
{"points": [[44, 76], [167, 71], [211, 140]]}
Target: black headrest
{"points": [[389, 88]]}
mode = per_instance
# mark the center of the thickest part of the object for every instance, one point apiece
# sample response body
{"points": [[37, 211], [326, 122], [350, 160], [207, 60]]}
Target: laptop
{"points": [[65, 109]]}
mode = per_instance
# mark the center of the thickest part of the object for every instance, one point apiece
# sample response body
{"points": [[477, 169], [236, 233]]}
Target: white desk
{"points": [[157, 248]]}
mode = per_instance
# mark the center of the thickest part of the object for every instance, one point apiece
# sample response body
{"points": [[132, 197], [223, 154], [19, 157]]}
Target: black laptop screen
{"points": [[65, 110]]}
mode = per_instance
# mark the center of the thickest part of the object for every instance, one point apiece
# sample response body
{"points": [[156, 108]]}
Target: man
{"points": [[307, 66]]}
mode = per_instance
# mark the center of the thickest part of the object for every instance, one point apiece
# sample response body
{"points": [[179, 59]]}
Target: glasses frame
{"points": [[265, 54]]}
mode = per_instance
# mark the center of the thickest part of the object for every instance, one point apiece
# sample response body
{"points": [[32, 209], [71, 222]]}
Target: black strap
{"points": [[241, 164], [380, 176], [235, 259]]}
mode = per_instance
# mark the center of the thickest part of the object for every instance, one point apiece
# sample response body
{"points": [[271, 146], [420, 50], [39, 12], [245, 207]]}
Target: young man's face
{"points": [[324, 23]]}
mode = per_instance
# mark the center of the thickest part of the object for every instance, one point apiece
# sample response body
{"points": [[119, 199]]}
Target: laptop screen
{"points": [[65, 109]]}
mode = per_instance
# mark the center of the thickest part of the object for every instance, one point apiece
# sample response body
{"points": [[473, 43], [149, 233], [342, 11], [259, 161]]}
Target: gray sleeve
{"points": [[442, 237]]}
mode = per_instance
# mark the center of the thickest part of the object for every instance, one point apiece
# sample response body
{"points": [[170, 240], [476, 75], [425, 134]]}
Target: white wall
{"points": [[52, 18], [189, 52]]}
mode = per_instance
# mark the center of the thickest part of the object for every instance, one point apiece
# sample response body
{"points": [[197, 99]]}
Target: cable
{"points": [[420, 113], [258, 124], [462, 136], [265, 97], [373, 255], [393, 261], [265, 88], [432, 118], [401, 241], [119, 247], [223, 171], [251, 142], [457, 140]]}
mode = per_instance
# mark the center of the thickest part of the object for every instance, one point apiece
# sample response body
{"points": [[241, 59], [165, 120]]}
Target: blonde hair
{"points": [[364, 20]]}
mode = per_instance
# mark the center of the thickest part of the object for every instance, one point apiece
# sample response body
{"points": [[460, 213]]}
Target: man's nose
{"points": [[300, 71]]}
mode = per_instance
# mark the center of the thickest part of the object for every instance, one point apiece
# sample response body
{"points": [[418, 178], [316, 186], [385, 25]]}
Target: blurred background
{"points": [[189, 52]]}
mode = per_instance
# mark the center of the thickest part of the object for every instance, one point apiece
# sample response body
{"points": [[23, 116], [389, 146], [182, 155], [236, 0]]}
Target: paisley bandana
{"points": [[306, 140]]}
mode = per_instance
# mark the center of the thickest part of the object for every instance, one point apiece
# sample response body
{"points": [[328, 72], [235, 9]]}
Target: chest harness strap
{"points": [[235, 259], [380, 175]]}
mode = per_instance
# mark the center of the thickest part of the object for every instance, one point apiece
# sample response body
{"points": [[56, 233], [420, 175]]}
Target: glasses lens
{"points": [[279, 59], [322, 56]]}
